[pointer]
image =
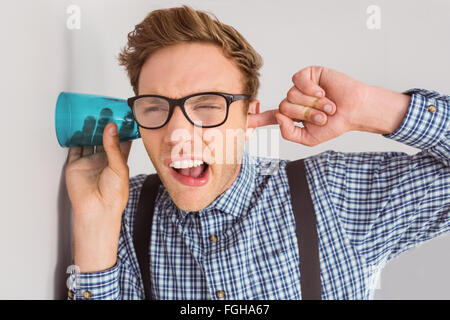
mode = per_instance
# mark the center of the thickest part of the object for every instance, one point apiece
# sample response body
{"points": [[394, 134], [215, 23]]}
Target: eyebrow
{"points": [[201, 98], [153, 99], [197, 98]]}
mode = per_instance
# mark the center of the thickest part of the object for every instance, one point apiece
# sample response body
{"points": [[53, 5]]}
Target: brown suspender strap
{"points": [[306, 229], [305, 221], [142, 229]]}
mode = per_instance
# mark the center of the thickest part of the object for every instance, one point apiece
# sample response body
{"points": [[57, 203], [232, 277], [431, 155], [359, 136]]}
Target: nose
{"points": [[179, 129]]}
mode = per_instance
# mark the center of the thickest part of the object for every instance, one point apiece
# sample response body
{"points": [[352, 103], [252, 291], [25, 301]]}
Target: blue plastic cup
{"points": [[81, 118]]}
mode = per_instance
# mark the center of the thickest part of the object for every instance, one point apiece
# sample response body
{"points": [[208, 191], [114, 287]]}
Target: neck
{"points": [[230, 183]]}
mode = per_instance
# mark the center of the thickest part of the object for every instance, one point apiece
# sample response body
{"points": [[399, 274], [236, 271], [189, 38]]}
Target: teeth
{"points": [[183, 164]]}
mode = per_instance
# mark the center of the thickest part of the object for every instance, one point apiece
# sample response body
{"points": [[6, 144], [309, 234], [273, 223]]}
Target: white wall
{"points": [[41, 57]]}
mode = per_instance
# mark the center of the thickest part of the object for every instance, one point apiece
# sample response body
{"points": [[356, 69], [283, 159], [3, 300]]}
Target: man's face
{"points": [[178, 71]]}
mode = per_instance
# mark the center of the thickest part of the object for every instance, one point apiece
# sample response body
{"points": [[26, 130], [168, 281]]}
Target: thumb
{"points": [[112, 148], [289, 130]]}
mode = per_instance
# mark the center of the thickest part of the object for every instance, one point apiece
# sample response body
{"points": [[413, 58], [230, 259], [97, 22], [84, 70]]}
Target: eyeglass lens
{"points": [[205, 110]]}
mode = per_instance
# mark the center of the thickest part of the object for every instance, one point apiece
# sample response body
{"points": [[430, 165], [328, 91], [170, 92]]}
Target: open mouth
{"points": [[194, 172]]}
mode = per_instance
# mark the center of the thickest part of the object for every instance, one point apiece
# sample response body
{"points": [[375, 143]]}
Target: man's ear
{"points": [[253, 109]]}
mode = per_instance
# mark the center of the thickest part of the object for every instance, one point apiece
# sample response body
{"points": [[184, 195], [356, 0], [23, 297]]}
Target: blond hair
{"points": [[165, 27]]}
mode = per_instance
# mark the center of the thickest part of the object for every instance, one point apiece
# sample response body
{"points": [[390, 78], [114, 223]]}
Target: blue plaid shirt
{"points": [[370, 207]]}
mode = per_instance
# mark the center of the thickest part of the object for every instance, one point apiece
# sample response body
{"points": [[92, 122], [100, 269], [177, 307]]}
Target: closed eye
{"points": [[150, 109], [207, 107]]}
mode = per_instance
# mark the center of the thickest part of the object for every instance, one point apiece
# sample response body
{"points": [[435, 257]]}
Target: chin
{"points": [[186, 198]]}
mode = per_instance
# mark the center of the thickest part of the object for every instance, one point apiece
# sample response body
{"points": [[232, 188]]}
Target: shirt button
{"points": [[70, 294], [87, 294], [220, 294], [213, 238], [432, 108]]}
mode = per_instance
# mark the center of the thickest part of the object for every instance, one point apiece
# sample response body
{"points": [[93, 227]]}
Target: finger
{"points": [[112, 147], [74, 154], [291, 132], [88, 129], [127, 126], [307, 81], [88, 150], [262, 119], [125, 148], [99, 149], [295, 96], [76, 139], [103, 119], [298, 112], [126, 129]]}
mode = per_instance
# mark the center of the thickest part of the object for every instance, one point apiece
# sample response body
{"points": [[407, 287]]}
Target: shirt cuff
{"points": [[101, 285], [426, 120]]}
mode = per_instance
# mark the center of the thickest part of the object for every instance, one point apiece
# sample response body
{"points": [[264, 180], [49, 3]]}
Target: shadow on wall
{"points": [[64, 207], [63, 241]]}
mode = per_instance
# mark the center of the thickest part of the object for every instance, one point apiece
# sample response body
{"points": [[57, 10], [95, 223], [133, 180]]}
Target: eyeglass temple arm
{"points": [[239, 97]]}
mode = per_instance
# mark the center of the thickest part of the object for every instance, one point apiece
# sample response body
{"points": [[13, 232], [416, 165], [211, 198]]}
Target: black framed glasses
{"points": [[204, 109]]}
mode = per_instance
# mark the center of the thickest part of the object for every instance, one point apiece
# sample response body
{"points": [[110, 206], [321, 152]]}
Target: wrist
{"points": [[383, 110], [94, 257], [95, 249], [94, 264]]}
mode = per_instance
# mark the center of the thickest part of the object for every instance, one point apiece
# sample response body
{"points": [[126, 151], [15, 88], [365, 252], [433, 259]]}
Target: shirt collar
{"points": [[236, 199]]}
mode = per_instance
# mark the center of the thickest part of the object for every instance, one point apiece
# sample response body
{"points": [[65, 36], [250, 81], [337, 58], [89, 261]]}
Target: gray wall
{"points": [[41, 57]]}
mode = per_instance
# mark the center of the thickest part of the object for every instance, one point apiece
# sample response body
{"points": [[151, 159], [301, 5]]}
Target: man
{"points": [[224, 230]]}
